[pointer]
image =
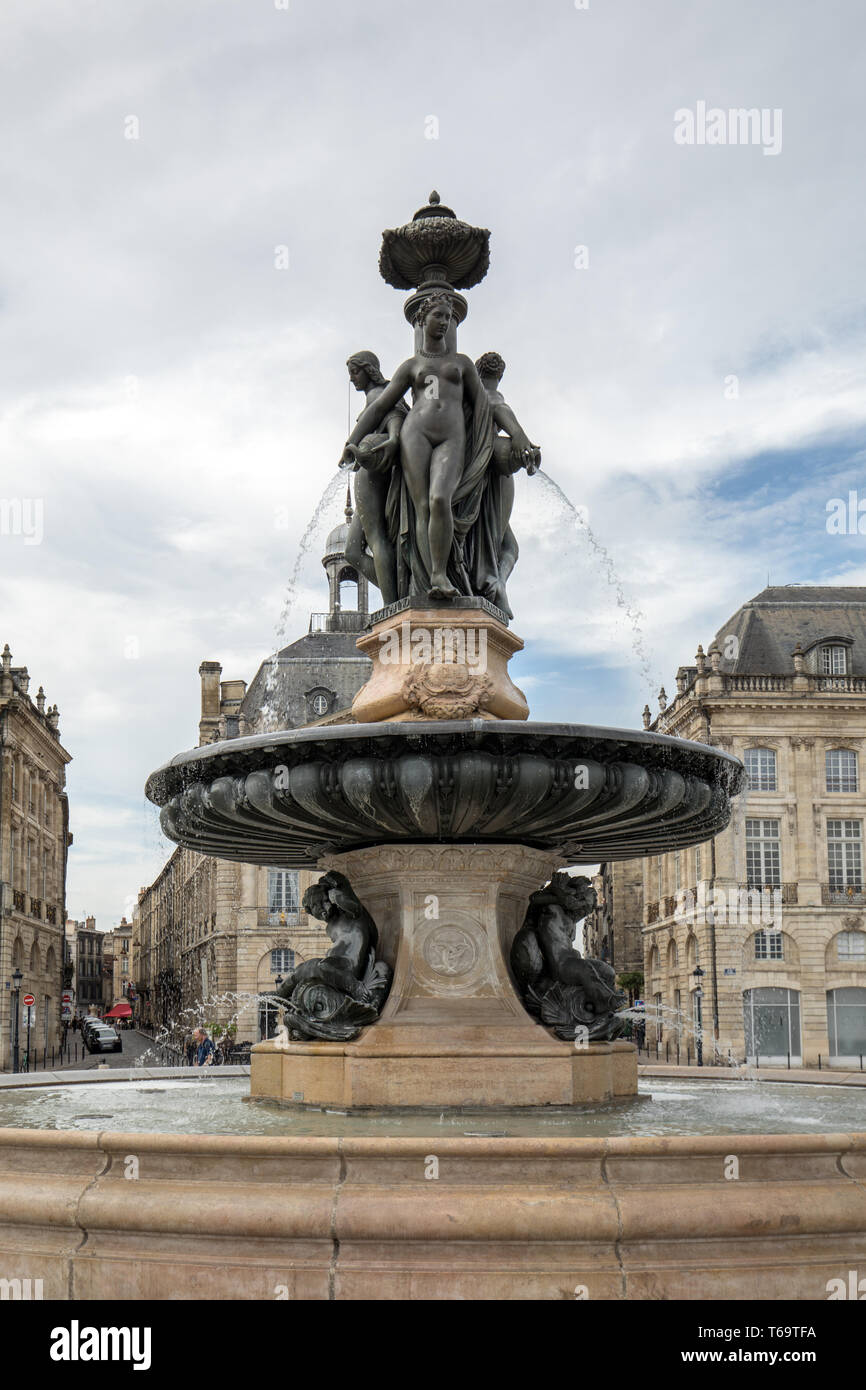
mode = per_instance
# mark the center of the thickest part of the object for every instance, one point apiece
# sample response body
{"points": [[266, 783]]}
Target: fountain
{"points": [[448, 1110], [442, 817]]}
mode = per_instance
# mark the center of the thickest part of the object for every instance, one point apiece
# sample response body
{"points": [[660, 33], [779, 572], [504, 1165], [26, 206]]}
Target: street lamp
{"points": [[17, 977], [699, 994]]}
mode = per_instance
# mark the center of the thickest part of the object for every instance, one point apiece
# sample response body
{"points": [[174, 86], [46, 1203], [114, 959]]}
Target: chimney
{"points": [[210, 672]]}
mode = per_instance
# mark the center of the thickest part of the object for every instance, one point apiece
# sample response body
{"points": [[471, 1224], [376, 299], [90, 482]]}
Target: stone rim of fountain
{"points": [[290, 797]]}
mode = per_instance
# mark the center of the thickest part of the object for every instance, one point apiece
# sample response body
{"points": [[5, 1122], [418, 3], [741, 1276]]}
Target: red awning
{"points": [[119, 1011]]}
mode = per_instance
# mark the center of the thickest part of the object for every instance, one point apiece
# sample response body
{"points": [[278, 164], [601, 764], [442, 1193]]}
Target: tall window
{"points": [[851, 945], [833, 661], [659, 874], [768, 945], [771, 1019], [282, 960], [698, 864], [29, 868], [14, 778], [677, 870], [763, 857], [844, 854], [761, 769], [841, 764], [283, 893]]}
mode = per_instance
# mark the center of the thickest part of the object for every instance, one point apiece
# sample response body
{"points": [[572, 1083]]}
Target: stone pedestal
{"points": [[453, 1031], [440, 663]]}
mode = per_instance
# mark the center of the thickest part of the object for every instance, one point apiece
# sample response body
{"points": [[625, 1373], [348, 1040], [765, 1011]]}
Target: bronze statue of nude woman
{"points": [[443, 464]]}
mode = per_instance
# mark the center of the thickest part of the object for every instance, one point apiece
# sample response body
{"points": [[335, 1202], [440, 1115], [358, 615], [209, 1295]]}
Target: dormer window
{"points": [[833, 660]]}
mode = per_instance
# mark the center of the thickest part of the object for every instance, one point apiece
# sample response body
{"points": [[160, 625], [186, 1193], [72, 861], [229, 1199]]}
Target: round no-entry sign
{"points": [[28, 1001]]}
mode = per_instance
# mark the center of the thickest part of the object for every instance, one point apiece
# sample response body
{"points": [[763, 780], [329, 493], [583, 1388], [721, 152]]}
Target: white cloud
{"points": [[175, 400]]}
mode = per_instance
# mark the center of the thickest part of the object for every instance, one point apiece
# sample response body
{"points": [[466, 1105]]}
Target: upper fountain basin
{"points": [[589, 794]]}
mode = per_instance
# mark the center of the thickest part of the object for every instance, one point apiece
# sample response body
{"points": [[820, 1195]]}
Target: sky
{"points": [[194, 195]]}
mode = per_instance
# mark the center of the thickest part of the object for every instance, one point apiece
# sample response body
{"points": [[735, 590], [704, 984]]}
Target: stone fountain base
{"points": [[454, 1031], [224, 1217]]}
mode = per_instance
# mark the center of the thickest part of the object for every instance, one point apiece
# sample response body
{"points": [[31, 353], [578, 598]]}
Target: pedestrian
{"points": [[204, 1055]]}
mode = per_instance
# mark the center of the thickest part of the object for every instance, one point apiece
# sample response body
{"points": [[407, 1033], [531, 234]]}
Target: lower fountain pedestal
{"points": [[453, 1031]]}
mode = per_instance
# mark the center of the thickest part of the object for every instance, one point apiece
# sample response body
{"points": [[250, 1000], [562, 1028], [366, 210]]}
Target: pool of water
{"points": [[221, 1107]]}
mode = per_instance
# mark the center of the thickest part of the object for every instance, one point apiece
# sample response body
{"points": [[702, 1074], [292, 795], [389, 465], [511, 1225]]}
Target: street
{"points": [[135, 1045]]}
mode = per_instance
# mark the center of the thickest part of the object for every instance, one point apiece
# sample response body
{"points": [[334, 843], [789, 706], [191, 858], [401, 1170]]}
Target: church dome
{"points": [[336, 542]]}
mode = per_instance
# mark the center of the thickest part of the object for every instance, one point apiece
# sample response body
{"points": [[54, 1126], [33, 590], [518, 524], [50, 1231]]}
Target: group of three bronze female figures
{"points": [[434, 486]]}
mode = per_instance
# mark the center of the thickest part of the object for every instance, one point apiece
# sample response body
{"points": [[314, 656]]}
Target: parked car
{"points": [[101, 1038]]}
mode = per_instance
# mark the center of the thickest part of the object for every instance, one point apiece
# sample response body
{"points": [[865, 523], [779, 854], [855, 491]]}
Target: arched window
{"points": [[347, 588], [35, 960], [282, 960], [846, 1022], [655, 959], [851, 945], [841, 766], [50, 961], [771, 1019], [673, 956], [768, 945], [761, 769]]}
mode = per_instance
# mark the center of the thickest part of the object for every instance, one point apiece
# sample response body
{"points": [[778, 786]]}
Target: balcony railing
{"points": [[733, 894], [18, 901], [36, 908], [855, 685], [284, 919], [833, 895], [758, 682]]}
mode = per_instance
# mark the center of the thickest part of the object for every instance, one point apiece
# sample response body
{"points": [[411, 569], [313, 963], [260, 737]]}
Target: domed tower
{"points": [[348, 591], [317, 676]]}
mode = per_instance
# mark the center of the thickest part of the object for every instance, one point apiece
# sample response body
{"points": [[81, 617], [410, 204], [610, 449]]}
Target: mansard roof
{"points": [[771, 624]]}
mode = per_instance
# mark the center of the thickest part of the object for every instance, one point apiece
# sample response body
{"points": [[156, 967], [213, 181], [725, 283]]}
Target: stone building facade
{"points": [[773, 910], [87, 953], [34, 839], [117, 964], [208, 929], [613, 931]]}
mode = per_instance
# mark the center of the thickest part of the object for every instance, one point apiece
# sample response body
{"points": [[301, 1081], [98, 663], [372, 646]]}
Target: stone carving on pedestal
{"points": [[335, 996], [573, 996], [446, 691]]}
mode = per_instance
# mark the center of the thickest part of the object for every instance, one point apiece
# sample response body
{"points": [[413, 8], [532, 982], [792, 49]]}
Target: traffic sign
{"points": [[28, 1001]]}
